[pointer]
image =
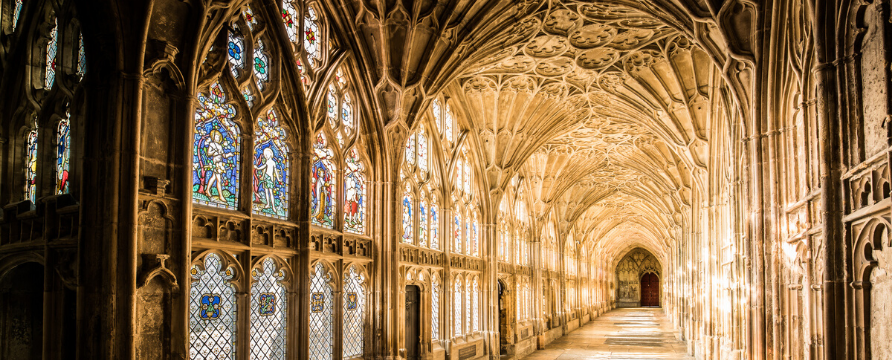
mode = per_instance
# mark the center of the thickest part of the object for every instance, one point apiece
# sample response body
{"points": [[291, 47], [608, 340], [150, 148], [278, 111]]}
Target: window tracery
{"points": [[421, 191]]}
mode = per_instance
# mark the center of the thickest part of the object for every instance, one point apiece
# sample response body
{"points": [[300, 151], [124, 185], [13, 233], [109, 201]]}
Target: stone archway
{"points": [[629, 275]]}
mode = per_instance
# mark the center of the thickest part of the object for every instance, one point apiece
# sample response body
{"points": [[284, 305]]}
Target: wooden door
{"points": [[650, 290], [413, 325]]}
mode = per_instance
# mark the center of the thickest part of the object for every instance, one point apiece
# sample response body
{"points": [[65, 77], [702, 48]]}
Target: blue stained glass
{"points": [[236, 49], [466, 235], [321, 310], [456, 231], [261, 65], [31, 165], [212, 315], [51, 47], [271, 175], [407, 217], [215, 151], [63, 154], [435, 227], [354, 194], [268, 312], [422, 221], [323, 183]]}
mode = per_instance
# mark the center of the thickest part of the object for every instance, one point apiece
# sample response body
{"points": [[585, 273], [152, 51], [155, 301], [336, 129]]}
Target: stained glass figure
{"points": [[447, 124], [410, 150], [323, 181], [435, 225], [347, 114], [468, 310], [31, 165], [422, 152], [435, 307], [249, 17], [456, 231], [321, 311], [81, 57], [271, 176], [458, 298], [236, 52], [311, 36], [215, 151], [51, 47], [435, 108], [289, 17], [332, 105], [16, 13], [407, 216], [354, 192], [261, 65], [212, 311], [268, 312], [475, 296], [354, 312], [63, 153], [422, 221]]}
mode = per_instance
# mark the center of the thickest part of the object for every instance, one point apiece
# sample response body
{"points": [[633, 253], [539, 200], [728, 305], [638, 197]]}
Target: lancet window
{"points": [[268, 311], [420, 205], [466, 216], [212, 309], [354, 312]]}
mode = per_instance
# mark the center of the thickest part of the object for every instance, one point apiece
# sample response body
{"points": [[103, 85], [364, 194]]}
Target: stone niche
{"points": [[629, 271]]}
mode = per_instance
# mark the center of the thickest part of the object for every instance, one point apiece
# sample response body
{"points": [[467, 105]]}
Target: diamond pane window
{"points": [[422, 221], [354, 313], [16, 14], [435, 225], [354, 194], [435, 308], [457, 296], [51, 48], [261, 65], [271, 175], [410, 150], [311, 36], [63, 153], [289, 17], [322, 181], [456, 232], [236, 52], [212, 311], [81, 57], [469, 310], [31, 165], [407, 216], [475, 296], [215, 151], [321, 314], [268, 312]]}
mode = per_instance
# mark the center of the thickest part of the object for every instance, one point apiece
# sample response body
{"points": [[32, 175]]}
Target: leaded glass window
{"points": [[468, 309], [321, 314], [268, 312], [435, 108], [81, 57], [236, 52], [447, 123], [475, 250], [51, 49], [16, 14], [475, 306], [422, 220], [261, 65], [215, 151], [289, 17], [347, 114], [355, 194], [435, 307], [212, 311], [31, 165], [458, 298], [323, 183], [271, 170], [249, 17], [63, 153], [410, 150], [354, 312], [435, 224], [456, 231], [422, 151], [407, 216]]}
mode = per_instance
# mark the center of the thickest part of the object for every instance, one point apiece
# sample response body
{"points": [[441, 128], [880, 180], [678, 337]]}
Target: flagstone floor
{"points": [[628, 334]]}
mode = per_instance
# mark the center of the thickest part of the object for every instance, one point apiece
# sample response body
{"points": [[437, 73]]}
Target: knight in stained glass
{"points": [[354, 194], [63, 153], [270, 167], [212, 315], [215, 151], [322, 184]]}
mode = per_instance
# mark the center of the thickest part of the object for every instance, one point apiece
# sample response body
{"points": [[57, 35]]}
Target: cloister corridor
{"points": [[626, 333]]}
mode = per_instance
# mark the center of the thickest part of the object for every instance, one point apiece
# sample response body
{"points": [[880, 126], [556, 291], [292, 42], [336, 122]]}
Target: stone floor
{"points": [[629, 334]]}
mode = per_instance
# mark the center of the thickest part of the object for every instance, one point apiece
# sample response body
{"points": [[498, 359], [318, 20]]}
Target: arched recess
{"points": [[628, 273], [22, 305]]}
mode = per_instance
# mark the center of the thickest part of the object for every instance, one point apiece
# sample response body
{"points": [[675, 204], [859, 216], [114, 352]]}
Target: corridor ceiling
{"points": [[605, 109]]}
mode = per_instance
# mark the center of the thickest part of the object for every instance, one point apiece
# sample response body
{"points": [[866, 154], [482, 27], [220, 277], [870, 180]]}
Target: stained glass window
{"points": [[16, 14], [466, 235], [457, 297], [468, 309], [63, 153], [212, 311], [271, 175], [467, 173], [347, 114], [31, 165], [236, 51], [311, 36], [456, 231], [321, 334], [289, 17], [249, 96], [354, 312], [249, 17], [81, 57], [51, 47], [354, 191], [422, 151], [422, 221], [261, 65], [475, 250], [332, 106], [215, 151], [410, 150], [268, 312], [447, 124], [407, 216], [456, 182], [435, 108], [475, 298], [323, 181], [435, 307], [435, 225]]}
